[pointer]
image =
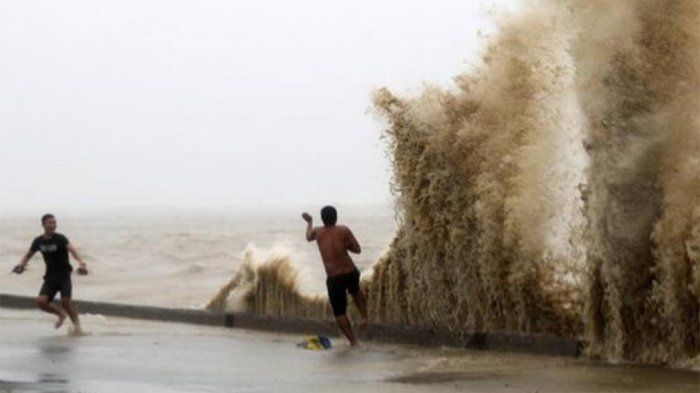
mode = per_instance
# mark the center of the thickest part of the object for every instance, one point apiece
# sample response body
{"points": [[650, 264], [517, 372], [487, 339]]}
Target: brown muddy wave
{"points": [[554, 189]]}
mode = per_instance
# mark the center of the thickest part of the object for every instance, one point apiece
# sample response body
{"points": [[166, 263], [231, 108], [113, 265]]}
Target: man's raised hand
{"points": [[306, 216]]}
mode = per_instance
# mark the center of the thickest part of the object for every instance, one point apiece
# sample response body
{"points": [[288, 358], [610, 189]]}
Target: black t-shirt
{"points": [[55, 253]]}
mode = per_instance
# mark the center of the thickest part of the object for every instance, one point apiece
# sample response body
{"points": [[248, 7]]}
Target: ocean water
{"points": [[180, 257]]}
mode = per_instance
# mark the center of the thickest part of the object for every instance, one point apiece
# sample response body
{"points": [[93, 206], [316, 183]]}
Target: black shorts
{"points": [[337, 286], [55, 284]]}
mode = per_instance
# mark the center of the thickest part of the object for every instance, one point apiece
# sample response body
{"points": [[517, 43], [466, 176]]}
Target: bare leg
{"points": [[70, 309], [346, 328], [44, 304], [361, 303]]}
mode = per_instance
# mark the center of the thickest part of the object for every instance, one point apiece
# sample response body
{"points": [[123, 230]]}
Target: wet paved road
{"points": [[122, 355]]}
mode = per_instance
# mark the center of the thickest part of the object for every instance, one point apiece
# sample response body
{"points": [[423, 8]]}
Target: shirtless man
{"points": [[54, 248], [334, 242]]}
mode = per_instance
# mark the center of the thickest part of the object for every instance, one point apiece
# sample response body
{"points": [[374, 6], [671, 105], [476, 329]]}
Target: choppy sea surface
{"points": [[179, 257]]}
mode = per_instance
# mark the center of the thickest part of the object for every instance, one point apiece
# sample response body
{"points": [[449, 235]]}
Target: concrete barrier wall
{"points": [[536, 344], [201, 317]]}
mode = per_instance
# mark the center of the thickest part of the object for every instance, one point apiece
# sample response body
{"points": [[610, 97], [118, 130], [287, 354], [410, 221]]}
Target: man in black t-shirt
{"points": [[55, 247]]}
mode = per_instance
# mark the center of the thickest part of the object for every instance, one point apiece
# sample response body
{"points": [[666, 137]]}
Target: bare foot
{"points": [[59, 323], [77, 331]]}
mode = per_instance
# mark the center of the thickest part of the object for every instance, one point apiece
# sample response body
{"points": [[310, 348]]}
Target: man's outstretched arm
{"points": [[310, 232], [26, 258], [24, 261], [77, 256]]}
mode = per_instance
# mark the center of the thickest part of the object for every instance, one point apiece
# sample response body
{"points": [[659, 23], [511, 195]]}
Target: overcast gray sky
{"points": [[213, 103]]}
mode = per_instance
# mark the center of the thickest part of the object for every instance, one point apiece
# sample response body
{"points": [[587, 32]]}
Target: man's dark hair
{"points": [[46, 217], [329, 216]]}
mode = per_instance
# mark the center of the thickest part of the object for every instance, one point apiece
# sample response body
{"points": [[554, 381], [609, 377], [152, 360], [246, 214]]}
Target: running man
{"points": [[54, 248], [334, 242]]}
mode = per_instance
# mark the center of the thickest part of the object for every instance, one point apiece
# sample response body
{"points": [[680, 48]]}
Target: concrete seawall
{"points": [[535, 344]]}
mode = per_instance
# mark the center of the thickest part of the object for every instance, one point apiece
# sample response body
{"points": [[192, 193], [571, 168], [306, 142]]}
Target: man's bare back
{"points": [[334, 242]]}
